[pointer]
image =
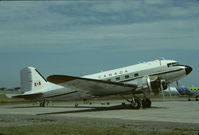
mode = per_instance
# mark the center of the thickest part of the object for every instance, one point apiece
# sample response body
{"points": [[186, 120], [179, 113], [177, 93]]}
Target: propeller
{"points": [[169, 91], [161, 87], [177, 83], [149, 84]]}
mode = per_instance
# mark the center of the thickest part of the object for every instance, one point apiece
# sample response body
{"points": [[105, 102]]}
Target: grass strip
{"points": [[75, 129]]}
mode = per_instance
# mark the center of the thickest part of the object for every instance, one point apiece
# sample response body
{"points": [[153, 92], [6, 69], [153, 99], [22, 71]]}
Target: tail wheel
{"points": [[146, 103], [42, 103]]}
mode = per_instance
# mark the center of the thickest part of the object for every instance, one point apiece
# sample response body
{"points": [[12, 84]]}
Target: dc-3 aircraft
{"points": [[144, 78]]}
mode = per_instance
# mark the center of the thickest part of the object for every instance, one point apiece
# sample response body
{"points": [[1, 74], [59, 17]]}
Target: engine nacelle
{"points": [[153, 84]]}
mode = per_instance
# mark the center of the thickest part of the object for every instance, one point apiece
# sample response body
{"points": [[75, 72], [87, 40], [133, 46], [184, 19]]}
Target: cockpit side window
{"points": [[173, 64], [169, 64]]}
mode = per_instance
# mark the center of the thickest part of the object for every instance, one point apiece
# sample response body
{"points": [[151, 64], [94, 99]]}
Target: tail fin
{"points": [[31, 79]]}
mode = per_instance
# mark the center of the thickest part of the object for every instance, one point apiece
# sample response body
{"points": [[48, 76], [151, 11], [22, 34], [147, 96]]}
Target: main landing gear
{"points": [[189, 99], [197, 98], [136, 102], [146, 103]]}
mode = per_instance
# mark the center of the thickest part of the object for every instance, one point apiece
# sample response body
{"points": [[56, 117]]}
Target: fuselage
{"points": [[167, 70]]}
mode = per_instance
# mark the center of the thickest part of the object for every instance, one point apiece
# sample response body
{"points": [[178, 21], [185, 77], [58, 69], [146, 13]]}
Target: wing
{"points": [[92, 86]]}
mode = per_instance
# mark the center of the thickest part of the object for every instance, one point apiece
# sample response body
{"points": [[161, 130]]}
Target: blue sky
{"points": [[83, 37]]}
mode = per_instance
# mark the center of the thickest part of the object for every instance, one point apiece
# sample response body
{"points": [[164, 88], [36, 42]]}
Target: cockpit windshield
{"points": [[173, 64]]}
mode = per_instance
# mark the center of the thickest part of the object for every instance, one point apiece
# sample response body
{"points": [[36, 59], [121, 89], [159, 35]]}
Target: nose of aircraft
{"points": [[188, 69]]}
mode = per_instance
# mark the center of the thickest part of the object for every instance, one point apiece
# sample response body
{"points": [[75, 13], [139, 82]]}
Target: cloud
{"points": [[120, 25], [46, 15], [125, 37], [100, 32]]}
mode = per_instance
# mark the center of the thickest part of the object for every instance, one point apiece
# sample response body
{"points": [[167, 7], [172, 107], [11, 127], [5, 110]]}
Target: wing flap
{"points": [[92, 86]]}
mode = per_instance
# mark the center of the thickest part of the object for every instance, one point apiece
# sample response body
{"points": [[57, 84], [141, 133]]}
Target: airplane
{"points": [[183, 91], [193, 91], [143, 78]]}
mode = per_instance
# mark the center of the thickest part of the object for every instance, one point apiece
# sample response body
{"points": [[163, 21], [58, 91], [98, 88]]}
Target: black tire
{"points": [[42, 104], [136, 105], [146, 103], [123, 103]]}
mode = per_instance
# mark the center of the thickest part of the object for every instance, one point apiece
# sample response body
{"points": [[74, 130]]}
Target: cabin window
{"points": [[117, 78], [136, 74], [126, 76], [109, 80]]}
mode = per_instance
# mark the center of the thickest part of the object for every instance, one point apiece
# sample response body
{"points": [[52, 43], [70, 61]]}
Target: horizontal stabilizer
{"points": [[26, 96], [11, 95]]}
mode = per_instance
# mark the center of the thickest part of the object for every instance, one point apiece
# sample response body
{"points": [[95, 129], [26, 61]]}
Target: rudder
{"points": [[31, 79]]}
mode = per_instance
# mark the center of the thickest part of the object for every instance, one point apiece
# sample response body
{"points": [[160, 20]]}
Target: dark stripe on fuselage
{"points": [[159, 73], [61, 94]]}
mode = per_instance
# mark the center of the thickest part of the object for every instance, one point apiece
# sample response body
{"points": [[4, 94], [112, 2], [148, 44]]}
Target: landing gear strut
{"points": [[146, 102], [135, 103]]}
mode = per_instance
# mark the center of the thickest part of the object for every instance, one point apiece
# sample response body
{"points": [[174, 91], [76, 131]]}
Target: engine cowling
{"points": [[153, 84]]}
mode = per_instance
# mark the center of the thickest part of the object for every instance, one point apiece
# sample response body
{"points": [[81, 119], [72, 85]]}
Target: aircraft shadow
{"points": [[95, 109], [51, 107], [15, 107]]}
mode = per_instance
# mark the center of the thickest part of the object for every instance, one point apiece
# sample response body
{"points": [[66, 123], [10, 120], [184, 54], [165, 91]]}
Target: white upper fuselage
{"points": [[126, 74]]}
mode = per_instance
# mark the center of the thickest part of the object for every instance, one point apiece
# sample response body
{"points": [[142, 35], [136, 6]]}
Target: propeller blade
{"points": [[162, 90], [177, 83], [169, 91]]}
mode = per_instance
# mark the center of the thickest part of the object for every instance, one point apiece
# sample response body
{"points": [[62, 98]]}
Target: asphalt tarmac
{"points": [[163, 115]]}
